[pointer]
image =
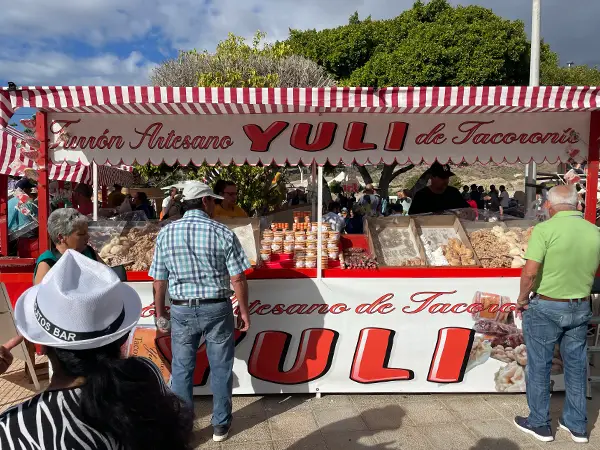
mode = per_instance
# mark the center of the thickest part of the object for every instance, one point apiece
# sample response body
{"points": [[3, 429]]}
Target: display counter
{"points": [[387, 329]]}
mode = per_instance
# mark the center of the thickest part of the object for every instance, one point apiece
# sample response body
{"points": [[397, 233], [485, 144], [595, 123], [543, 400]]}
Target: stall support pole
{"points": [[313, 171], [320, 221], [591, 187], [3, 215], [41, 134], [534, 80], [95, 188]]}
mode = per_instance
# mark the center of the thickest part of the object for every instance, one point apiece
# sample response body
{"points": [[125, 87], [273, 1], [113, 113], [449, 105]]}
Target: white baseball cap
{"points": [[80, 304], [196, 189]]}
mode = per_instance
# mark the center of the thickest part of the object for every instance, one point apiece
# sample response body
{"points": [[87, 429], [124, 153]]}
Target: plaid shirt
{"points": [[197, 255]]}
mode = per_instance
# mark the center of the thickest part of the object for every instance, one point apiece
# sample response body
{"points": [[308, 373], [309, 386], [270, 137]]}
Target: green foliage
{"points": [[260, 189], [433, 44], [335, 187], [234, 56], [554, 75]]}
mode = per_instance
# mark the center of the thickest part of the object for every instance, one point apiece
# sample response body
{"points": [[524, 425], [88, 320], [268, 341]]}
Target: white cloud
{"points": [[53, 68], [34, 31]]}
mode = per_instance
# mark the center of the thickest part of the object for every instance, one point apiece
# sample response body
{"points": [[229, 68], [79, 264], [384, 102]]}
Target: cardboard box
{"points": [[373, 226]]}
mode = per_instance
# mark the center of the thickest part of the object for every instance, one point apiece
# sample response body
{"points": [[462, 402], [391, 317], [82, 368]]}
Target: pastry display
{"points": [[395, 246], [500, 247], [357, 258], [457, 253], [491, 306]]}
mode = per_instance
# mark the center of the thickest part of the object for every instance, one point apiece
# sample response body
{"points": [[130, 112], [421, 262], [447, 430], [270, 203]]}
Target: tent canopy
{"points": [[16, 155], [120, 125]]}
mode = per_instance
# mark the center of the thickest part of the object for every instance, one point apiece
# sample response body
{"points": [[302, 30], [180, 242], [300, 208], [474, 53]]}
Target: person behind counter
{"points": [[96, 400], [333, 217], [16, 219], [167, 202], [228, 207], [82, 199], [141, 203], [439, 196], [116, 197], [68, 230]]}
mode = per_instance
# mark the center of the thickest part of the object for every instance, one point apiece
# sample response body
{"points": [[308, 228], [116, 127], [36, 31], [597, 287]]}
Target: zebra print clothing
{"points": [[49, 421]]}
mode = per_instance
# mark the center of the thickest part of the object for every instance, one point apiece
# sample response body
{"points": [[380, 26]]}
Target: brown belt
{"points": [[544, 297]]}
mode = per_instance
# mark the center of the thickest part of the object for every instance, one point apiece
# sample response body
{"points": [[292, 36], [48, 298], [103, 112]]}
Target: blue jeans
{"points": [[546, 323], [215, 322]]}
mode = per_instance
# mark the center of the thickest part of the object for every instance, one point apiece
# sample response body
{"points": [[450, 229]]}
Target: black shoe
{"points": [[543, 434], [221, 433], [581, 438]]}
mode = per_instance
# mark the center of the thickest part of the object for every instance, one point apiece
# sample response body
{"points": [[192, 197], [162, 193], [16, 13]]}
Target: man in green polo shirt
{"points": [[562, 261]]}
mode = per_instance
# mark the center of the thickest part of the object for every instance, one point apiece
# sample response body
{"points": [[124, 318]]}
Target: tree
{"points": [[238, 64], [552, 74], [434, 44]]}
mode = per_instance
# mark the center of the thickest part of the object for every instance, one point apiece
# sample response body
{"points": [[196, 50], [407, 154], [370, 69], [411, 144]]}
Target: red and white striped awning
{"points": [[13, 160], [421, 102], [197, 100]]}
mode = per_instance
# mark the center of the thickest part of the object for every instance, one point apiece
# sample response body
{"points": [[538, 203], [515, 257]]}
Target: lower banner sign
{"points": [[367, 335]]}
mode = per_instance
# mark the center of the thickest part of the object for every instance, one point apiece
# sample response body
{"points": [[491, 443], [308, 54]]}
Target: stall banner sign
{"points": [[328, 137], [368, 335]]}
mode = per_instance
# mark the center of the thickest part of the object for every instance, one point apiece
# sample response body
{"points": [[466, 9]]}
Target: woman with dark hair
{"points": [[81, 315], [141, 203]]}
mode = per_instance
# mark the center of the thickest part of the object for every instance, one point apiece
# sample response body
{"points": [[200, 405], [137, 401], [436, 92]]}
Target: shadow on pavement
{"points": [[495, 444]]}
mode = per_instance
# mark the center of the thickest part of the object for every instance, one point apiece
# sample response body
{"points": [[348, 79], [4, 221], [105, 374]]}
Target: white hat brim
{"points": [[30, 329], [218, 197]]}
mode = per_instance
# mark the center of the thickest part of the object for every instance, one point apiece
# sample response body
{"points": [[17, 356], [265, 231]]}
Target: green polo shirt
{"points": [[568, 247]]}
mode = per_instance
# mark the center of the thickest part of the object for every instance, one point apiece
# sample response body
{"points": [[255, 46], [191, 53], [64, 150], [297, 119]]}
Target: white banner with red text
{"points": [[368, 335], [328, 137]]}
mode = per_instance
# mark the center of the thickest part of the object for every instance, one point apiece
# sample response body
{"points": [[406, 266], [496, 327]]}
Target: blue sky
{"points": [[106, 42]]}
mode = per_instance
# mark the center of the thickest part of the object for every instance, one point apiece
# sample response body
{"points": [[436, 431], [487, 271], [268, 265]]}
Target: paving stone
{"points": [[503, 444], [278, 404], [469, 408], [497, 430], [331, 402], [250, 429], [340, 419], [405, 438], [313, 442], [509, 406], [428, 412], [293, 424], [245, 446], [390, 417], [248, 407], [454, 436], [350, 440]]}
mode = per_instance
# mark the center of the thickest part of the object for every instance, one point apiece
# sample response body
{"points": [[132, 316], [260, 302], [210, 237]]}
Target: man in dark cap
{"points": [[438, 196]]}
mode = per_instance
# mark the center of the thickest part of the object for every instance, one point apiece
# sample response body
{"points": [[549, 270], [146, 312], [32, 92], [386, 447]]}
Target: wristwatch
{"points": [[162, 323]]}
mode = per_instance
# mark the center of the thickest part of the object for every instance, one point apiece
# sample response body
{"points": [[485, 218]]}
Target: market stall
{"points": [[434, 316], [18, 157]]}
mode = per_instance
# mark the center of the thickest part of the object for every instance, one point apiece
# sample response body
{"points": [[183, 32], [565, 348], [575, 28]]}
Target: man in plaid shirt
{"points": [[199, 260]]}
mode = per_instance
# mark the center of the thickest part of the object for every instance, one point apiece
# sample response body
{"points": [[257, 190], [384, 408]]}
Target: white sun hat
{"points": [[196, 189], [80, 304]]}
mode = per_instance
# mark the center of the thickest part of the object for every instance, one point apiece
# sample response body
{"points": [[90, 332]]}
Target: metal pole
{"points": [[95, 187], [313, 181], [534, 80], [320, 221]]}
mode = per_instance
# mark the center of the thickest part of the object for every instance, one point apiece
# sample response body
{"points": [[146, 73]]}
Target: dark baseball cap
{"points": [[25, 183], [440, 170]]}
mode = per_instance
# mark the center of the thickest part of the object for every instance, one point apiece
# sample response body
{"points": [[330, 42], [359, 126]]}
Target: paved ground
{"points": [[361, 422]]}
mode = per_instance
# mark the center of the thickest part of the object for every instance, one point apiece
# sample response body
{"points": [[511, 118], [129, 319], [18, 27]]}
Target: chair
{"points": [[120, 271]]}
